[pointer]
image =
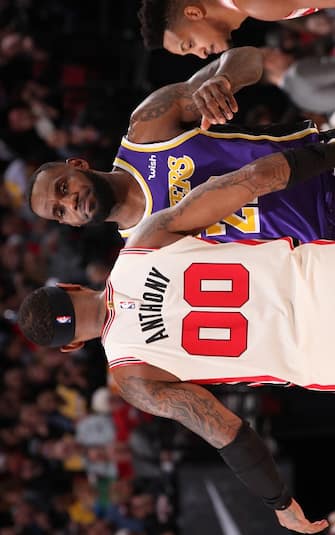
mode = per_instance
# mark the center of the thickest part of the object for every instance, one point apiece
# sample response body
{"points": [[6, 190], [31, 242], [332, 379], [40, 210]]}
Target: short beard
{"points": [[104, 196]]}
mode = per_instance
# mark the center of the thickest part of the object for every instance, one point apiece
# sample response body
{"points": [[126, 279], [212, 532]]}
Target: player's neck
{"points": [[90, 307], [130, 199]]}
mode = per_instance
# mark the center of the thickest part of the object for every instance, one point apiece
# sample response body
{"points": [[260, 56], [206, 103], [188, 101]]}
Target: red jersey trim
{"points": [[255, 241], [207, 240], [124, 361], [323, 242], [325, 388], [251, 379], [260, 380], [110, 311], [295, 13], [136, 250]]}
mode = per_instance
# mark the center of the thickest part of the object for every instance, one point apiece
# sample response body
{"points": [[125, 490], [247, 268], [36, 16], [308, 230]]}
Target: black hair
{"points": [[155, 17], [35, 318], [43, 167]]}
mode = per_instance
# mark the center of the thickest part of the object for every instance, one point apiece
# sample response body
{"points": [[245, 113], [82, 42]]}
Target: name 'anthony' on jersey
{"points": [[226, 312], [168, 170]]}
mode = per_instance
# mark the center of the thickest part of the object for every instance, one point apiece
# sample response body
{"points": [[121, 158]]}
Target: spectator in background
{"points": [[41, 403], [15, 63], [314, 30], [309, 81]]}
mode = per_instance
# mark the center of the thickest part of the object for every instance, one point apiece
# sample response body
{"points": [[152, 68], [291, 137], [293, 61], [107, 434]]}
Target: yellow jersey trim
{"points": [[144, 187], [166, 145]]}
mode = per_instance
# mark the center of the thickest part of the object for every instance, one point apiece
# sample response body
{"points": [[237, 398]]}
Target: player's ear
{"points": [[194, 13], [79, 163], [73, 346]]}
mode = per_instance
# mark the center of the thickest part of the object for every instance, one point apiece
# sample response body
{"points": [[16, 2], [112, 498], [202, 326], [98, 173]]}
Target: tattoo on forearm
{"points": [[190, 405], [265, 175]]}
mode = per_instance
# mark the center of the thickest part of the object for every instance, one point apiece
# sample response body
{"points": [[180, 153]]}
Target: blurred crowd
{"points": [[74, 457], [299, 72]]}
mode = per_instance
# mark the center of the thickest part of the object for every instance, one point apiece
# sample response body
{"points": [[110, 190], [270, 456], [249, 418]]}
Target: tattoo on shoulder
{"points": [[131, 129], [164, 99]]}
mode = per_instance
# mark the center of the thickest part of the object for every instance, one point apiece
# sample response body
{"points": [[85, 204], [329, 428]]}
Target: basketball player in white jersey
{"points": [[203, 27], [179, 311]]}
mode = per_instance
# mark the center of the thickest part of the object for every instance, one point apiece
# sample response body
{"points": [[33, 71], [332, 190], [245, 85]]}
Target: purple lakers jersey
{"points": [[167, 171]]}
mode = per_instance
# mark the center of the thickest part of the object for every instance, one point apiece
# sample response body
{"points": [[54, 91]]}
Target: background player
{"points": [[204, 27]]}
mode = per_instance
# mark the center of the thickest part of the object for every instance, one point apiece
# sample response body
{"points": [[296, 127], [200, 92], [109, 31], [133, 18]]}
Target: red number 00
{"points": [[237, 294]]}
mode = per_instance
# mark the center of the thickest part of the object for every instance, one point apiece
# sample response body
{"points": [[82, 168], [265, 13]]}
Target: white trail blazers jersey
{"points": [[226, 312]]}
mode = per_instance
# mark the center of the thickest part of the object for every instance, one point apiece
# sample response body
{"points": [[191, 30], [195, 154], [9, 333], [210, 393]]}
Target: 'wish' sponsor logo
{"points": [[152, 166], [150, 316]]}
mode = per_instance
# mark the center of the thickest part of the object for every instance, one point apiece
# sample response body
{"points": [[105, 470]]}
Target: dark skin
{"points": [[157, 392], [65, 194], [152, 389], [207, 95], [191, 405]]}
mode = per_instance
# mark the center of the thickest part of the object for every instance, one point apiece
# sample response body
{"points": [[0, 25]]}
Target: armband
{"points": [[309, 161], [248, 457]]}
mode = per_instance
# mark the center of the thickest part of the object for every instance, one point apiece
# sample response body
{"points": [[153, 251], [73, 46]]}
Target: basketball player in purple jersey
{"points": [[165, 155]]}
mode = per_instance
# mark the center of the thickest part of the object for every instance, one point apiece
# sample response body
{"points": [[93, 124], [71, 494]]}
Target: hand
{"points": [[215, 101], [293, 518]]}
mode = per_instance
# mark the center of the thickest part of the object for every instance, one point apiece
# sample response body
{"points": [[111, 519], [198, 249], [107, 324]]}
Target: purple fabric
{"points": [[304, 212]]}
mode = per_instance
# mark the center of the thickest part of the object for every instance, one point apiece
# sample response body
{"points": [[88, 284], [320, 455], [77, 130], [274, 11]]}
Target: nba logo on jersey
{"points": [[64, 319], [127, 305]]}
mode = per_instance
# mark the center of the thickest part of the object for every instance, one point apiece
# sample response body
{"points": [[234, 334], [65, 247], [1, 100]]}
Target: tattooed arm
{"points": [[208, 94], [160, 393], [212, 201]]}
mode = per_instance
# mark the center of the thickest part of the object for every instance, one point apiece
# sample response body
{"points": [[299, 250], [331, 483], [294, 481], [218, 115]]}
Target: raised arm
{"points": [[239, 446], [208, 94], [220, 196]]}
